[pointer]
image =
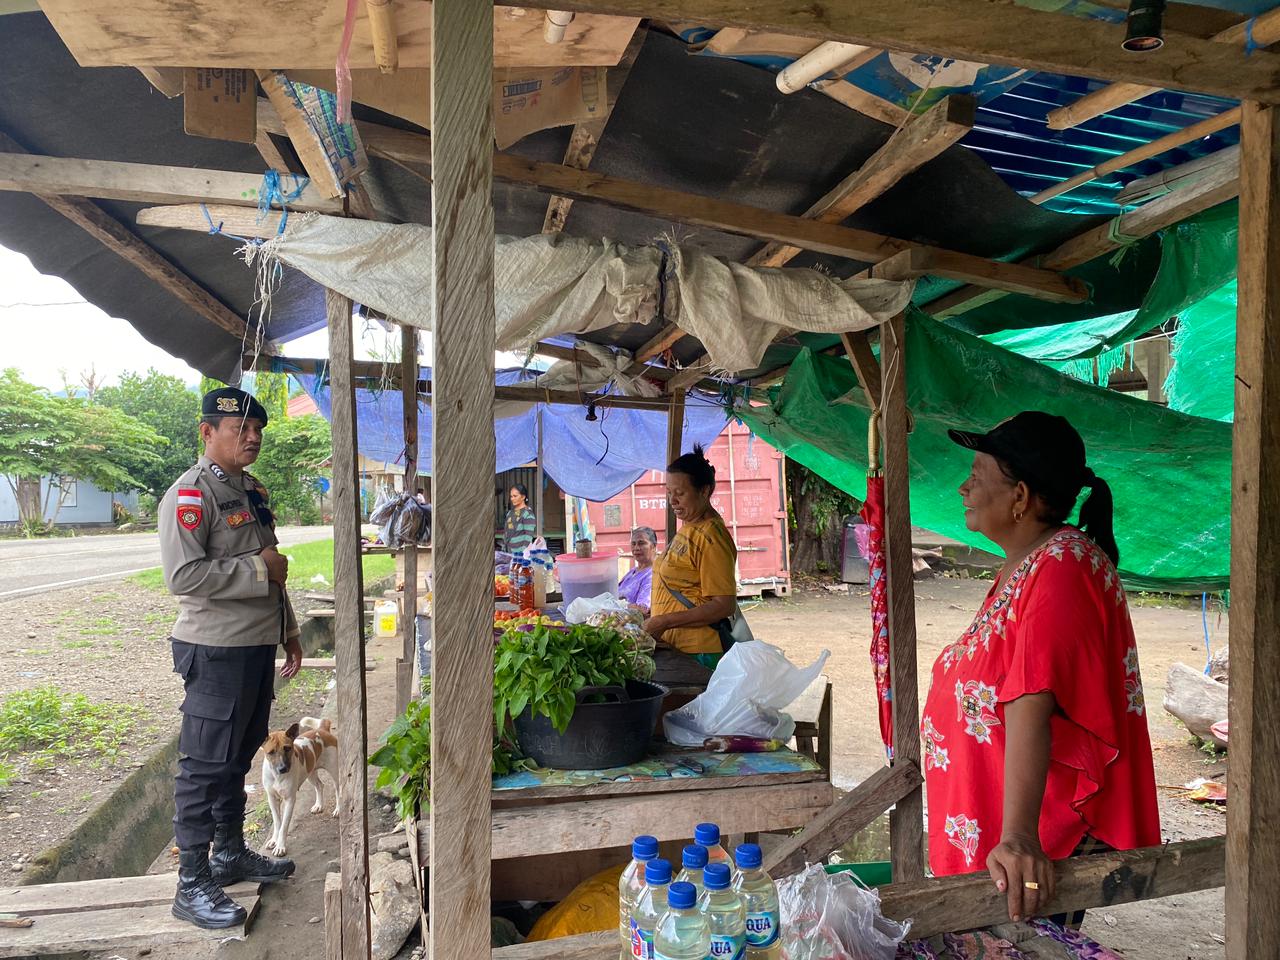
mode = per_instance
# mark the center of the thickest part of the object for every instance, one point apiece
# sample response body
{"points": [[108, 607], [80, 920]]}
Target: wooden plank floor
{"points": [[114, 914]]}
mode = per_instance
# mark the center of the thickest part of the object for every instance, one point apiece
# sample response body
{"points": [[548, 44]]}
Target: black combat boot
{"points": [[233, 862], [199, 899]]}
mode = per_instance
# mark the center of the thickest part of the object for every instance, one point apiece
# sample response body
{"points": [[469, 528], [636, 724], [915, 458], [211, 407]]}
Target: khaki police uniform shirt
{"points": [[210, 538]]}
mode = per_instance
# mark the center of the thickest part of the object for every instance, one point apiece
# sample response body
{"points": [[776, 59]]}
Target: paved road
{"points": [[37, 566]]}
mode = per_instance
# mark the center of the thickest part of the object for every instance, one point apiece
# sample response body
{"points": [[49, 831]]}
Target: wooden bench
{"points": [[119, 913]]}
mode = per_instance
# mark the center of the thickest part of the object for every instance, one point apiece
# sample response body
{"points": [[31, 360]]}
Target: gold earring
{"points": [[1017, 517]]}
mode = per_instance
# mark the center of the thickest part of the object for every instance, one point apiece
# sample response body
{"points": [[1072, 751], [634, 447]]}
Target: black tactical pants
{"points": [[224, 721]]}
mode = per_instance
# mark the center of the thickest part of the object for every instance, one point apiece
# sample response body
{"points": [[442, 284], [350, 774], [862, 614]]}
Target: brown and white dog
{"points": [[291, 757]]}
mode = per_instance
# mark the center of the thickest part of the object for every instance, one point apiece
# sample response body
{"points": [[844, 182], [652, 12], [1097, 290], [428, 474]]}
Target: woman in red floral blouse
{"points": [[1035, 733]]}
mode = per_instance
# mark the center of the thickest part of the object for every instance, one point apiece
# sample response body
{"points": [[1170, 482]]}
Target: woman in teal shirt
{"points": [[522, 525]]}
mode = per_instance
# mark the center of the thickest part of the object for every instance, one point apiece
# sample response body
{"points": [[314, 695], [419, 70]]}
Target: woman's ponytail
{"points": [[1096, 515]]}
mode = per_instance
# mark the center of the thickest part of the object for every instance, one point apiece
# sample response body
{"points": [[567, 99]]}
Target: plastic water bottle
{"points": [[726, 917], [708, 835], [693, 860], [760, 899], [631, 885], [650, 908], [682, 932]]}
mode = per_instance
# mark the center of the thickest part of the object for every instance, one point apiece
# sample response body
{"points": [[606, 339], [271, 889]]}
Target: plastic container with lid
{"points": [[588, 577], [386, 618]]}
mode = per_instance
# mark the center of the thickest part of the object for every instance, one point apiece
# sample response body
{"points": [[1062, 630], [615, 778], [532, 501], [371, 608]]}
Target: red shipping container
{"points": [[751, 495]]}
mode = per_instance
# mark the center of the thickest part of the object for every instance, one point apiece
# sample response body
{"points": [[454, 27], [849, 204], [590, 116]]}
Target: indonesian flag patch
{"points": [[190, 507]]}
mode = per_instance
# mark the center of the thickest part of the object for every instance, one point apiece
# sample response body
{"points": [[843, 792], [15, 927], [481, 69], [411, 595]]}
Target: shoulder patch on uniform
{"points": [[217, 471], [190, 507]]}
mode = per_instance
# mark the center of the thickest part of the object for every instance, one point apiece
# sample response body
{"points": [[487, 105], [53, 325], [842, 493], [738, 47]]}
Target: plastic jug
{"points": [[386, 618]]}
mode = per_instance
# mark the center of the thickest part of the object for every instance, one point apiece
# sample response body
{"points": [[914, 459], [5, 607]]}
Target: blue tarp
{"points": [[592, 459]]}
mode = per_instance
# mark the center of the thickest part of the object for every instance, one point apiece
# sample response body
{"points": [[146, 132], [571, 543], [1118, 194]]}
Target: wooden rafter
{"points": [[1219, 186], [123, 242], [1263, 30], [916, 144], [1003, 33], [585, 137], [679, 207], [142, 182]]}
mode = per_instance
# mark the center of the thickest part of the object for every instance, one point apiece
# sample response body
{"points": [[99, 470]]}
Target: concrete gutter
{"points": [[124, 834]]}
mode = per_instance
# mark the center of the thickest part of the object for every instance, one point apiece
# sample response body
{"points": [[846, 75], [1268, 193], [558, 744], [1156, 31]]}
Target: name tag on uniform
{"points": [[238, 518]]}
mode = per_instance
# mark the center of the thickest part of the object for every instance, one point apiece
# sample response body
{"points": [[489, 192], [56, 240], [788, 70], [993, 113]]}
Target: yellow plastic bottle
{"points": [[386, 618]]}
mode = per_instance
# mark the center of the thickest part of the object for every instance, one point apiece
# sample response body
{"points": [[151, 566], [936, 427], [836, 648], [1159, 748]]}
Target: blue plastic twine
{"points": [[1249, 44], [271, 193]]}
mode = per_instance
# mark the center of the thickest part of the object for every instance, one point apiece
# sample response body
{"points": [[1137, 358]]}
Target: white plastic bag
{"points": [[751, 685], [583, 608], [834, 917]]}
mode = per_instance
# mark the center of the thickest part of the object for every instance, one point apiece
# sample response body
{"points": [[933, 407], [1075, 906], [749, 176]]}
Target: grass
{"points": [[48, 725], [7, 773], [306, 560], [302, 691], [77, 644]]}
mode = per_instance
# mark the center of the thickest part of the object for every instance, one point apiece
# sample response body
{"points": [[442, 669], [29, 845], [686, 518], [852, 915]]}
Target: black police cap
{"points": [[232, 402]]}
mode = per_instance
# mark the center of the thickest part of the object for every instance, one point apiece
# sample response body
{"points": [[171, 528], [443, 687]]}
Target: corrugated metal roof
{"points": [[1011, 135]]}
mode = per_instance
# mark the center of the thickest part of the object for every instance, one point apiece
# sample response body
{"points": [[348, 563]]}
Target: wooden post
{"points": [[333, 916], [539, 481], [1253, 815], [463, 466], [1157, 368], [906, 821], [348, 646], [675, 442], [409, 607]]}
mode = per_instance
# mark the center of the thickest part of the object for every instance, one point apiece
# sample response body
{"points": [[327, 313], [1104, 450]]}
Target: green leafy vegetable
{"points": [[543, 670], [405, 757]]}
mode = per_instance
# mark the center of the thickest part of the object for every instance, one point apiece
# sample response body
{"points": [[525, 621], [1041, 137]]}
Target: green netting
{"points": [[1170, 472], [1196, 257], [1204, 349], [1113, 289]]}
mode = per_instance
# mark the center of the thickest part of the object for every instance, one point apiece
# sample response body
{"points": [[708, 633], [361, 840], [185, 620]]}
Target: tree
{"points": [[817, 512], [46, 436], [171, 409], [295, 451]]}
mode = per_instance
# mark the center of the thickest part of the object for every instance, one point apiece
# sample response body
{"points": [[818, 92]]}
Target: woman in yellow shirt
{"points": [[695, 581]]}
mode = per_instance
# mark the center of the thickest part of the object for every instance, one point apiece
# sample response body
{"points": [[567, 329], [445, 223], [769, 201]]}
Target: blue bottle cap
{"points": [[682, 896], [644, 847], [748, 856], [716, 876], [657, 872], [694, 856], [707, 834]]}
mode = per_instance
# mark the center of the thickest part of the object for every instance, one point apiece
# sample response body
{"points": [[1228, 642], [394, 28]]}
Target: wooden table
{"points": [[548, 838]]}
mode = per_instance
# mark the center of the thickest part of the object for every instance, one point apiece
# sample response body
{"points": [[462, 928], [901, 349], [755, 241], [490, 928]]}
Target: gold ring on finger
{"points": [[1031, 885]]}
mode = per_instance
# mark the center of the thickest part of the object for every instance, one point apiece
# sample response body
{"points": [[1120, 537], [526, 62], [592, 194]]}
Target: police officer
{"points": [[218, 547]]}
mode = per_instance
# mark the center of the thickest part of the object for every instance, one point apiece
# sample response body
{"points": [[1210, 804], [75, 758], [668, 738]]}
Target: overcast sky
{"points": [[46, 328]]}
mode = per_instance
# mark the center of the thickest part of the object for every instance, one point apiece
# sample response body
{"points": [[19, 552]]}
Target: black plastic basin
{"points": [[614, 733]]}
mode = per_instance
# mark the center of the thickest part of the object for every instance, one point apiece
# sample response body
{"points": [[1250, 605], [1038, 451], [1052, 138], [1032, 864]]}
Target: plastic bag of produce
{"points": [[834, 917], [584, 608], [751, 685]]}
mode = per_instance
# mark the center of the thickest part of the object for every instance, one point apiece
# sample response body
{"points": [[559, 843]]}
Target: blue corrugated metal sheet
{"points": [[1011, 135]]}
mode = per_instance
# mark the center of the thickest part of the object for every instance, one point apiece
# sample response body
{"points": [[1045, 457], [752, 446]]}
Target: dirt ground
{"points": [[808, 622], [108, 642], [132, 665]]}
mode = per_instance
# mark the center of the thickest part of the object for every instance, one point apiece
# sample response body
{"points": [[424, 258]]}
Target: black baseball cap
{"points": [[232, 402], [1039, 447]]}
